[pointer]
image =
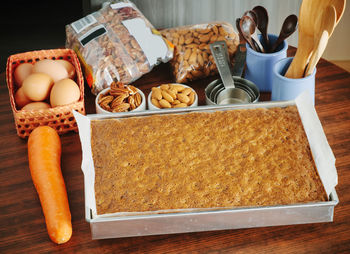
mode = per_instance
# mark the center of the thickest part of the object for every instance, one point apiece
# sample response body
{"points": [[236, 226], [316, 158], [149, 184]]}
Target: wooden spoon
{"points": [[309, 11], [263, 21], [325, 25], [289, 26], [305, 40], [253, 15], [246, 33], [339, 8], [248, 28]]}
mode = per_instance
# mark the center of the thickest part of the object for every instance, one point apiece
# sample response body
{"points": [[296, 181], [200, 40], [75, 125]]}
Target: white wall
{"points": [[338, 47], [172, 13]]}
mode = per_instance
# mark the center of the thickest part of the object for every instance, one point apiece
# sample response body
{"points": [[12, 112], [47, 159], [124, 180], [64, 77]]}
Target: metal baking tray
{"points": [[251, 217], [181, 222]]}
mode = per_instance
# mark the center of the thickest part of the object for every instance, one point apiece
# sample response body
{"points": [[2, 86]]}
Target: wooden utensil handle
{"points": [[301, 58]]}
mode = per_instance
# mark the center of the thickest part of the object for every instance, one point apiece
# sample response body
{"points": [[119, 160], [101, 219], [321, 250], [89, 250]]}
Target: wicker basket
{"points": [[60, 118]]}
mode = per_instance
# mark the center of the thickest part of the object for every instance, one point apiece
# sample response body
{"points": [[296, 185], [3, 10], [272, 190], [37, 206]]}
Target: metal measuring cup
{"points": [[230, 89]]}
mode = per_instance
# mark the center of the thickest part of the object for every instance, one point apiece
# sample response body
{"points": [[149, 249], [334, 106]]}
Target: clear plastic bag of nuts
{"points": [[192, 57], [116, 43]]}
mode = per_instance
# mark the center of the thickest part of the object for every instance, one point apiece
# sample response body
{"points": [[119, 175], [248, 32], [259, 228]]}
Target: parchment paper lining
{"points": [[321, 151]]}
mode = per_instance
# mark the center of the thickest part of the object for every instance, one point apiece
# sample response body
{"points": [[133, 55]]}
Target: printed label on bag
{"points": [[120, 5], [153, 45], [95, 32], [83, 23]]}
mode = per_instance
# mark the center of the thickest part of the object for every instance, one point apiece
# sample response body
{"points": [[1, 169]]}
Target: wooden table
{"points": [[22, 222]]}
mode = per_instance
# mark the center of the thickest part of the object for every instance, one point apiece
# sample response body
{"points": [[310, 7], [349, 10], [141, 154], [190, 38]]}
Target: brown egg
{"points": [[52, 68], [22, 72], [69, 67], [36, 106], [64, 92], [37, 86], [21, 99]]}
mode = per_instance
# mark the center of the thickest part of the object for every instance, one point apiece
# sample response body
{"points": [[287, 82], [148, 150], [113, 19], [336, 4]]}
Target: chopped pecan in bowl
{"points": [[120, 98]]}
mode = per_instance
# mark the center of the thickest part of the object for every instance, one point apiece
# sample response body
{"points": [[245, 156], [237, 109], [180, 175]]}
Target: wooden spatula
{"points": [[307, 14], [309, 11], [324, 28]]}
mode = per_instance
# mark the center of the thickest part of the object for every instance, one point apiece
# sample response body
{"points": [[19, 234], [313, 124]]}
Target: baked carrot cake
{"points": [[249, 157]]}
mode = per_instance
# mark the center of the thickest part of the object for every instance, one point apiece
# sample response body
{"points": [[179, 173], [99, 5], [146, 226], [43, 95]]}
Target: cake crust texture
{"points": [[222, 159]]}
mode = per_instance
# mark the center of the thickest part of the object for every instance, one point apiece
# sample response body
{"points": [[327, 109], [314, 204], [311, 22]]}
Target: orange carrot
{"points": [[44, 155]]}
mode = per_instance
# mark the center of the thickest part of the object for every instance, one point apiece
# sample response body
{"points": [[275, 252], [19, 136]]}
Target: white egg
{"points": [[21, 99], [22, 72], [69, 67], [52, 68], [36, 106], [64, 92], [37, 86]]}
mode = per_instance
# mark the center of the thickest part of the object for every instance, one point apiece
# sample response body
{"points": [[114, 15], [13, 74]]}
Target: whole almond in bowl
{"points": [[120, 98], [172, 96]]}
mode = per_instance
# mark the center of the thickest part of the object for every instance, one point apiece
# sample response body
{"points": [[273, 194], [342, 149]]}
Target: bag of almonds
{"points": [[116, 43], [192, 57]]}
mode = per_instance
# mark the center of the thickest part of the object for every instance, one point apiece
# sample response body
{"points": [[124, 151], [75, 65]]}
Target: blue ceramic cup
{"points": [[288, 88], [260, 65]]}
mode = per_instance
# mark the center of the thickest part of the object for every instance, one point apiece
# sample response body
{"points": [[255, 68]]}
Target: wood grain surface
{"points": [[22, 222]]}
